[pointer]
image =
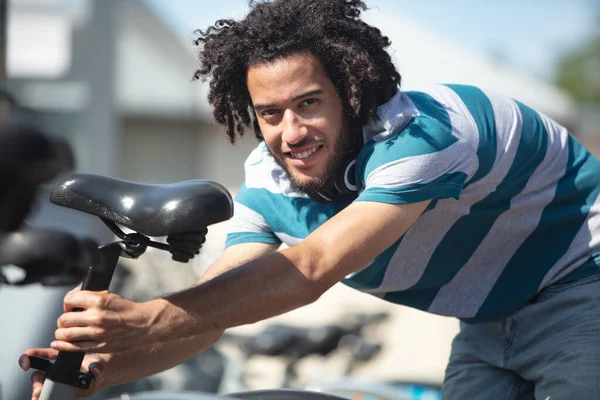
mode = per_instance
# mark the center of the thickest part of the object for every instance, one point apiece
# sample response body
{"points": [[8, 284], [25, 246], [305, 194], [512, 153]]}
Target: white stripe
{"points": [[288, 240], [463, 295], [412, 256], [410, 170], [424, 168], [246, 219]]}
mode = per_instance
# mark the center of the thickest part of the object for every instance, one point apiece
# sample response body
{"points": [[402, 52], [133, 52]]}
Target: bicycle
{"points": [[57, 258], [149, 211]]}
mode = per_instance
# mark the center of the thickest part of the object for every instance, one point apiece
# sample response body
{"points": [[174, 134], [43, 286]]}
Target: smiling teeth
{"points": [[304, 154]]}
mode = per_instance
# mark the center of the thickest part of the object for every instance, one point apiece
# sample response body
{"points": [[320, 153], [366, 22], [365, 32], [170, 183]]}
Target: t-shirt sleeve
{"points": [[423, 162], [247, 224]]}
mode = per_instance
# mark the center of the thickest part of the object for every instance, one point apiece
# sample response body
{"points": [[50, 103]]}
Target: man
{"points": [[451, 200]]}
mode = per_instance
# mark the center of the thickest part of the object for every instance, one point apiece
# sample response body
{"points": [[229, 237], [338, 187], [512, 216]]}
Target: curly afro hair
{"points": [[352, 53]]}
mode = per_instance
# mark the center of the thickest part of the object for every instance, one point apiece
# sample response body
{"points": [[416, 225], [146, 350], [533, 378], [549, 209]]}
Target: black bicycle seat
{"points": [[152, 210]]}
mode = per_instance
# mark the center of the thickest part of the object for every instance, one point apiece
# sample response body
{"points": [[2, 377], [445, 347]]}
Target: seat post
{"points": [[64, 375]]}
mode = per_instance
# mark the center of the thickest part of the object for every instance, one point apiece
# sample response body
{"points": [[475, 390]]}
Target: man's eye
{"points": [[308, 102], [269, 113]]}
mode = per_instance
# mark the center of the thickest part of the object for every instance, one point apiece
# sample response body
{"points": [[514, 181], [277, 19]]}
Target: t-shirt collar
{"points": [[390, 118]]}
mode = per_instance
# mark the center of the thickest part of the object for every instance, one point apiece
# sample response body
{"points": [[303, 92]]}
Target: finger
{"points": [[24, 361], [75, 289], [85, 299], [77, 319], [96, 369], [93, 361], [78, 334], [87, 346], [41, 352], [37, 380]]}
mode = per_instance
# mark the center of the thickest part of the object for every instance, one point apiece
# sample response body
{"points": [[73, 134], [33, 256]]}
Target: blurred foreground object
{"points": [[7, 102], [28, 158]]}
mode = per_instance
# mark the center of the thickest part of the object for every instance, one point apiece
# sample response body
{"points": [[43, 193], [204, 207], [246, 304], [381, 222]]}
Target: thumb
{"points": [[95, 364], [96, 369]]}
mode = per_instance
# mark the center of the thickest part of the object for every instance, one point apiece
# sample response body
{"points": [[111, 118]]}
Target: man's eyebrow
{"points": [[294, 98]]}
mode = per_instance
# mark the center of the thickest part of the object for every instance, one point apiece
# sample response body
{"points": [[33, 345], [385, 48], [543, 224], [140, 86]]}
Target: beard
{"points": [[340, 146]]}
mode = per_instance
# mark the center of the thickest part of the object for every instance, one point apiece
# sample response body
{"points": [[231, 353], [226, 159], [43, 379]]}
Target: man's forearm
{"points": [[257, 290], [131, 365]]}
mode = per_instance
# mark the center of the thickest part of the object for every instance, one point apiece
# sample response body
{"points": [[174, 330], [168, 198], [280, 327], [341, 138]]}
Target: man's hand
{"points": [[91, 362], [107, 324]]}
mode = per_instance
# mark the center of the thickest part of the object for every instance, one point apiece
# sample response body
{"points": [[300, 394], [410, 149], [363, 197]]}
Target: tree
{"points": [[578, 73]]}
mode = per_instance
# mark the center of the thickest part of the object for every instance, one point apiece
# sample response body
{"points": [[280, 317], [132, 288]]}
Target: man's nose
{"points": [[293, 128]]}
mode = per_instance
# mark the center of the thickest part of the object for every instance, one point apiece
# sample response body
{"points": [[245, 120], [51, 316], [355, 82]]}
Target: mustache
{"points": [[317, 140]]}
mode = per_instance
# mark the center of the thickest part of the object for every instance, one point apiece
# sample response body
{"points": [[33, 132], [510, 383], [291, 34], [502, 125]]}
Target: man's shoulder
{"points": [[413, 123], [416, 130]]}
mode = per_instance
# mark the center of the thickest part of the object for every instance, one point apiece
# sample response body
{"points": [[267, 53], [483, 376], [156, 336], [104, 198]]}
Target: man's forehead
{"points": [[286, 78]]}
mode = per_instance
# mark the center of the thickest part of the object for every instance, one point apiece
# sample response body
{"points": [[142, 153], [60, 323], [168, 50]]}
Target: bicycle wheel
{"points": [[375, 390], [283, 394], [169, 395]]}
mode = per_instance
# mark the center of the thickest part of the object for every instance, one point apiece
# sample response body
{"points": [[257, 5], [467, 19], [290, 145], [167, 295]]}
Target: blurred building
{"points": [[113, 78]]}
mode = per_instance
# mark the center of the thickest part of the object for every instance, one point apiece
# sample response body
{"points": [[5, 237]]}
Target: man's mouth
{"points": [[304, 154]]}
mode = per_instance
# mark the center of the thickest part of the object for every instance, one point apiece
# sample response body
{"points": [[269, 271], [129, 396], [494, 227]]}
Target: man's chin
{"points": [[306, 184]]}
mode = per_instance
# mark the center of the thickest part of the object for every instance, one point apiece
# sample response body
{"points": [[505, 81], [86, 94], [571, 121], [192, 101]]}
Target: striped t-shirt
{"points": [[514, 202]]}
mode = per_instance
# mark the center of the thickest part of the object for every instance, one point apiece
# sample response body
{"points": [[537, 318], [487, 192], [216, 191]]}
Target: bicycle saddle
{"points": [[152, 210]]}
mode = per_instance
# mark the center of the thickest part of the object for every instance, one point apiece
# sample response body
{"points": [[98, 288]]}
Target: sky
{"points": [[528, 35]]}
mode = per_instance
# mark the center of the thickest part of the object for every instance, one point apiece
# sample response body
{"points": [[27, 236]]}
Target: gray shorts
{"points": [[548, 350]]}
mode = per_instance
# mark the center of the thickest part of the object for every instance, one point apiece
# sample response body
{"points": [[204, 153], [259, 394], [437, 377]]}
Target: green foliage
{"points": [[578, 73]]}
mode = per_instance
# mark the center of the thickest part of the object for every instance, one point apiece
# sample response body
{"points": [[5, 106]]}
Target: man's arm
{"points": [[262, 288], [130, 365], [127, 366], [283, 281]]}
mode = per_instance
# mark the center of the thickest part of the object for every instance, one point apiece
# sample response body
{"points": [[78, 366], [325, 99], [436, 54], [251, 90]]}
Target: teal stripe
{"points": [[449, 185], [420, 299], [372, 276], [576, 191], [428, 133], [251, 237], [295, 216], [480, 107], [466, 234]]}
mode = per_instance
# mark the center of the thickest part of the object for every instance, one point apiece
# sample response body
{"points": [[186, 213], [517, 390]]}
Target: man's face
{"points": [[301, 118]]}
